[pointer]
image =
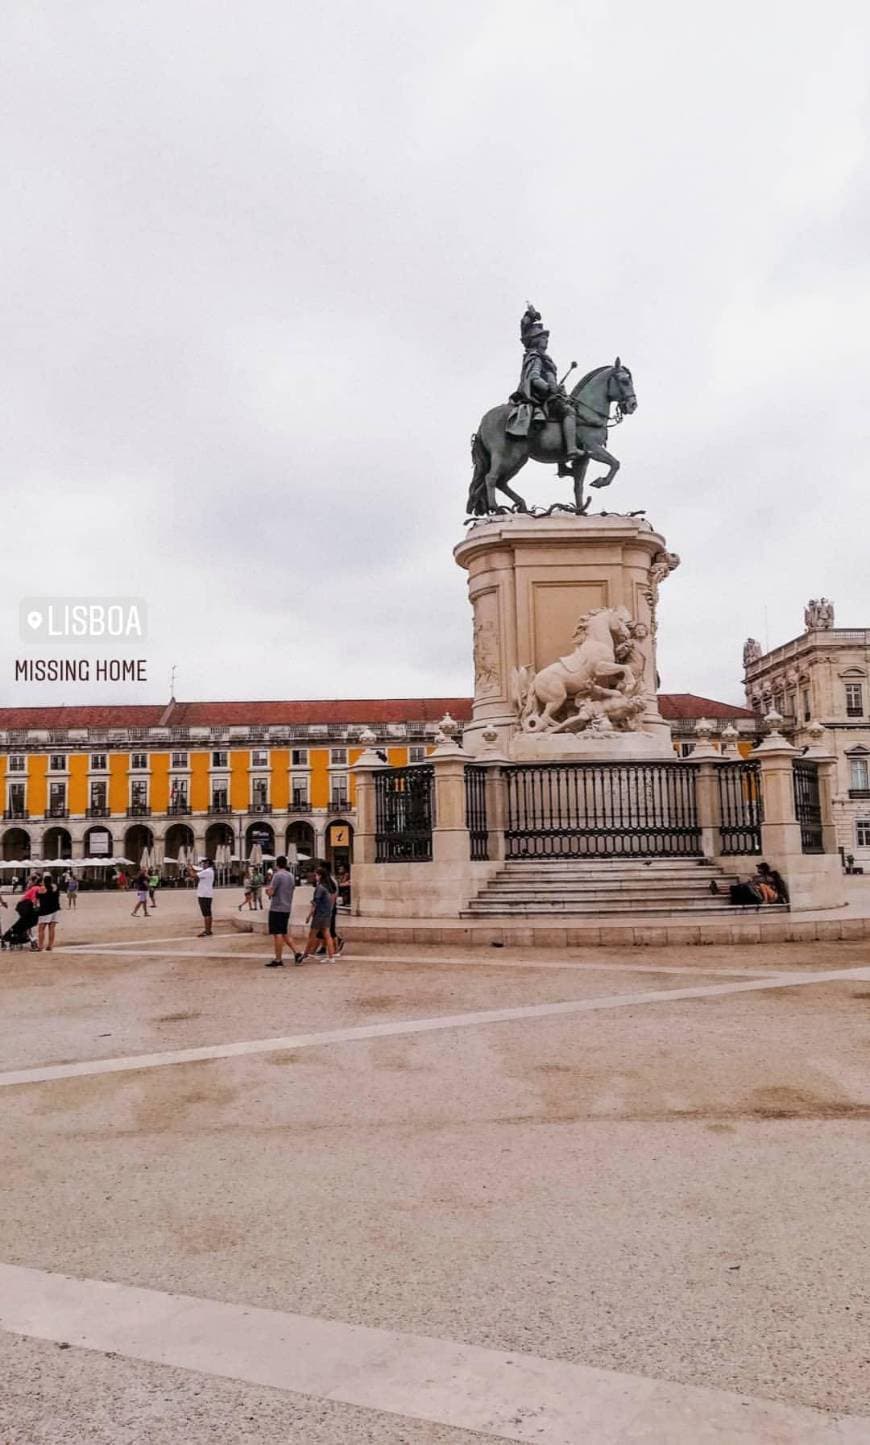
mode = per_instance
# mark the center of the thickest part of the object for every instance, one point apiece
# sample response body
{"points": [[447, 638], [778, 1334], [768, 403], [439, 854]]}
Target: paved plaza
{"points": [[430, 1196]]}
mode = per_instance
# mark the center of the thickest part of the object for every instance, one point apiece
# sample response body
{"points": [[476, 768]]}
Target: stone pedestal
{"points": [[529, 580]]}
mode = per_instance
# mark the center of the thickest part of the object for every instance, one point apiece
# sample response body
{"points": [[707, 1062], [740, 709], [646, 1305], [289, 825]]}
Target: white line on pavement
{"points": [[46, 1073], [490, 961], [510, 1395]]}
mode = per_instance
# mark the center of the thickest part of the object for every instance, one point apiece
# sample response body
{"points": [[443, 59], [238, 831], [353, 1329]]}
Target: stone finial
{"points": [[774, 741], [704, 747], [730, 737], [447, 728], [817, 734], [368, 738]]}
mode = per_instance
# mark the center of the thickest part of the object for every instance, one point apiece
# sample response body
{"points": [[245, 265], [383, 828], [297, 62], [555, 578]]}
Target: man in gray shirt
{"points": [[280, 891]]}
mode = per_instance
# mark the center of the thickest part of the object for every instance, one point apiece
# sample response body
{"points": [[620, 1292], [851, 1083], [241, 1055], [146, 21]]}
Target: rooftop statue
{"points": [[819, 615], [549, 424]]}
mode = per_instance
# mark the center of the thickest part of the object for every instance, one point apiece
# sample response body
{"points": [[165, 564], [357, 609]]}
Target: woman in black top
{"points": [[48, 902]]}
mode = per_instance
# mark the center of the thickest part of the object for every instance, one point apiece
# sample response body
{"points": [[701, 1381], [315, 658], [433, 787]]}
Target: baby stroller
{"points": [[18, 936]]}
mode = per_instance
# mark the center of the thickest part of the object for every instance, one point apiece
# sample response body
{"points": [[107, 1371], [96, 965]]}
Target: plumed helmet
{"points": [[531, 326]]}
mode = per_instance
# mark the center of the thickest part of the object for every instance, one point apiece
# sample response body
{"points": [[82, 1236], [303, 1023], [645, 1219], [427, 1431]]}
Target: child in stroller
{"points": [[18, 936]]}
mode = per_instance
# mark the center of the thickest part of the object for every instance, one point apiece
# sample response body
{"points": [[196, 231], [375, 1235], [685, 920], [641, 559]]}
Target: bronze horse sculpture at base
{"points": [[498, 456]]}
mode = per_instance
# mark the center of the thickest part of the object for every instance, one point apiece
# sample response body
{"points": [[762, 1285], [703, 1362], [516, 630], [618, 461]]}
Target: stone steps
{"points": [[604, 887]]}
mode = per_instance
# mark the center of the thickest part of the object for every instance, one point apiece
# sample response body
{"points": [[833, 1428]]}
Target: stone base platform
{"points": [[740, 926]]}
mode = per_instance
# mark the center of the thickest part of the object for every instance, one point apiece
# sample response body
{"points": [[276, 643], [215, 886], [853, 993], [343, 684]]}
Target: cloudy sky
{"points": [[263, 268]]}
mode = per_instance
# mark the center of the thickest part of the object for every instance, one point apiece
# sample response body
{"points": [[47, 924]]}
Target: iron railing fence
{"points": [[808, 805], [601, 810], [404, 814], [741, 807], [475, 812]]}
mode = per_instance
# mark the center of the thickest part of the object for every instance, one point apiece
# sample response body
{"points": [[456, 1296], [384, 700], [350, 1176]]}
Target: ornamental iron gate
{"points": [[601, 810], [808, 805], [741, 807], [475, 812], [404, 814]]}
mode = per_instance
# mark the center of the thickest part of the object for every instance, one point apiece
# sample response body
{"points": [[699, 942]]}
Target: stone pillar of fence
{"points": [[450, 837], [364, 839], [814, 880], [704, 759]]}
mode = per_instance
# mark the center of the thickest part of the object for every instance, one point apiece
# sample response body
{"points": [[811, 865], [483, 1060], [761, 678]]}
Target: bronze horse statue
{"points": [[497, 456]]}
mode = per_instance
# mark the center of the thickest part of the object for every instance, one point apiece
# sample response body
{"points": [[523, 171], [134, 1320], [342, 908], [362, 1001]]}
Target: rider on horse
{"points": [[539, 397]]}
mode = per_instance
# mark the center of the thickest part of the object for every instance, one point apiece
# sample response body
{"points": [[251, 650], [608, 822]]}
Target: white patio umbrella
{"points": [[255, 856]]}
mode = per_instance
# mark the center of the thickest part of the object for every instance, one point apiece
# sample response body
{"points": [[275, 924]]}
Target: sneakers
{"points": [[274, 963]]}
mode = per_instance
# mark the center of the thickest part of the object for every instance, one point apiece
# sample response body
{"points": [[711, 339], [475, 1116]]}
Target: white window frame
{"points": [[138, 767], [417, 753], [264, 780], [184, 765], [17, 763], [854, 687], [299, 758], [862, 832], [57, 763], [220, 753], [260, 758], [859, 768]]}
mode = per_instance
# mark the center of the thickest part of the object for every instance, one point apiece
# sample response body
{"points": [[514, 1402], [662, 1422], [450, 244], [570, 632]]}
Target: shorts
{"points": [[49, 917], [204, 907], [278, 922], [141, 895], [322, 923]]}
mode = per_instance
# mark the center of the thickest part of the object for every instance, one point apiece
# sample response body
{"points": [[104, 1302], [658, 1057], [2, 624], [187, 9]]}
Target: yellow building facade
{"points": [[102, 783]]}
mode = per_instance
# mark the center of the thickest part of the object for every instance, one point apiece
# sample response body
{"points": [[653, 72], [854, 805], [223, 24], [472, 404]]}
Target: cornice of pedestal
{"points": [[519, 528]]}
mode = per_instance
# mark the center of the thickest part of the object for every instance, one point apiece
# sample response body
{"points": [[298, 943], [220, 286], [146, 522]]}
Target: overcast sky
{"points": [[263, 268]]}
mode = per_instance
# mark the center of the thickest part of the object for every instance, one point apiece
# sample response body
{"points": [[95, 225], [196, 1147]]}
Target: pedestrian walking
{"points": [[72, 890], [48, 907], [140, 884], [320, 917], [248, 887], [204, 876], [257, 886], [153, 885], [280, 893]]}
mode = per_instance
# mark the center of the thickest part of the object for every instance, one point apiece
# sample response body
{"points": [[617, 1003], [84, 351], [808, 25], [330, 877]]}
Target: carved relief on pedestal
{"points": [[600, 687], [661, 566], [487, 650]]}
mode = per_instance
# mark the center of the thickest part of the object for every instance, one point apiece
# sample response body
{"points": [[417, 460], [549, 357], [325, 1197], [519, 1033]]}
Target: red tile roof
{"points": [[683, 705], [359, 711], [241, 714]]}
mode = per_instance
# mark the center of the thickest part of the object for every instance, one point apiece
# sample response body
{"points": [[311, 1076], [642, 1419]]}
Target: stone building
{"points": [[823, 676], [111, 781]]}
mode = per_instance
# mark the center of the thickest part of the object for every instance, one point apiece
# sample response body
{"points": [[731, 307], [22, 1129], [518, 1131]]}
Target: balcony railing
{"points": [[138, 810], [299, 805], [178, 810], [220, 809], [339, 804], [17, 811], [98, 810], [56, 810], [859, 792], [260, 808]]}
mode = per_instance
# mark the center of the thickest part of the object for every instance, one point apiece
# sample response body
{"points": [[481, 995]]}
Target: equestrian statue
{"points": [[549, 424]]}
